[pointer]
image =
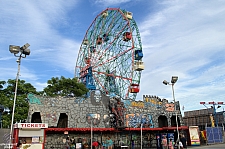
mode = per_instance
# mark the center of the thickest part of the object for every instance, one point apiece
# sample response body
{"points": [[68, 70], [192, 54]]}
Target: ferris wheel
{"points": [[110, 56]]}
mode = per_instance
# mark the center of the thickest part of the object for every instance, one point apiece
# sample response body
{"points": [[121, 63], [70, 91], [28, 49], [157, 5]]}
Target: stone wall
{"points": [[4, 137], [78, 110]]}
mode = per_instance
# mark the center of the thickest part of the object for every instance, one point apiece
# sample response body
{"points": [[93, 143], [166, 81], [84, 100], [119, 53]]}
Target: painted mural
{"points": [[147, 102], [138, 104], [95, 118], [152, 101], [135, 120], [117, 109], [109, 120], [105, 111], [46, 101], [33, 99], [169, 107]]}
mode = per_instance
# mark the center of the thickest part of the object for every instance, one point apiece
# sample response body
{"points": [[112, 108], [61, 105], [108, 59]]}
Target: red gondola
{"points": [[127, 36], [134, 88], [99, 41]]}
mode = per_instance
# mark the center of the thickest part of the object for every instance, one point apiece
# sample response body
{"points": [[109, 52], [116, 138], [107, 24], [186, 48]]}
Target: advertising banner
{"points": [[214, 135], [158, 138], [194, 135], [170, 136]]}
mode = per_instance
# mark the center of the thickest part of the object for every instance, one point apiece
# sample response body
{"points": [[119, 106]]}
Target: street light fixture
{"points": [[173, 81], [20, 52]]}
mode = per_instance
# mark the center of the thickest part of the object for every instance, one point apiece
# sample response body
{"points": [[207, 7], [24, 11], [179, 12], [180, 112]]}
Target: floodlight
{"points": [[25, 46], [14, 49], [165, 82], [174, 79], [26, 51]]}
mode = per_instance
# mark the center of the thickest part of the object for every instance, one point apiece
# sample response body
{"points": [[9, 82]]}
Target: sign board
{"points": [[170, 136], [35, 139], [32, 125], [194, 135], [78, 146]]}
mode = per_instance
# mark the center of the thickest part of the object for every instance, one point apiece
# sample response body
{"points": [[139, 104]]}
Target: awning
{"points": [[80, 129], [114, 129]]}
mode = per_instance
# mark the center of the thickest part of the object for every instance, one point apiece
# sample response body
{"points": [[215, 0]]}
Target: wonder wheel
{"points": [[110, 56]]}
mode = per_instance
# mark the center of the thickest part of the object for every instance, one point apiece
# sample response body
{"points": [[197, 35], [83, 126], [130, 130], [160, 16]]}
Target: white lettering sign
{"points": [[32, 125]]}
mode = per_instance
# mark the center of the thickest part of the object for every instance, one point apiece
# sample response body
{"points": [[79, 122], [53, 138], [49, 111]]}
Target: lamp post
{"points": [[1, 111], [91, 133], [20, 52], [173, 81], [141, 134], [214, 110]]}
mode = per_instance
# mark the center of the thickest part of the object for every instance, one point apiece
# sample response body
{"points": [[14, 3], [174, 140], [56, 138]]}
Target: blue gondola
{"points": [[138, 54]]}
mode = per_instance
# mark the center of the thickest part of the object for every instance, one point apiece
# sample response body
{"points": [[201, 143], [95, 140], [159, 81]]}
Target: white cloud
{"points": [[182, 40], [67, 55], [36, 23], [111, 2]]}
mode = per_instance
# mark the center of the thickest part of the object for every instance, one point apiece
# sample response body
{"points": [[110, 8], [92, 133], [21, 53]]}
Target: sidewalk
{"points": [[196, 146], [210, 146]]}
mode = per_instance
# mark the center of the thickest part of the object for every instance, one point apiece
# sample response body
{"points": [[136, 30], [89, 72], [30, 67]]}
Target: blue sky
{"points": [[179, 37]]}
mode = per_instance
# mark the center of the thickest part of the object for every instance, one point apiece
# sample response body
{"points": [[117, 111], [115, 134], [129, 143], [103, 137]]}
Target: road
{"points": [[213, 146]]}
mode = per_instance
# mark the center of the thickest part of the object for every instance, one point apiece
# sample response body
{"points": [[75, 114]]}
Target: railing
{"points": [[115, 146], [55, 146]]}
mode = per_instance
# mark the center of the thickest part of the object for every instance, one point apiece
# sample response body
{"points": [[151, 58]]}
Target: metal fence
{"points": [[145, 145]]}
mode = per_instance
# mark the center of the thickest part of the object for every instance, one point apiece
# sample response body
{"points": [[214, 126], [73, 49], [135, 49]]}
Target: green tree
{"points": [[56, 86], [65, 86], [2, 83], [7, 92]]}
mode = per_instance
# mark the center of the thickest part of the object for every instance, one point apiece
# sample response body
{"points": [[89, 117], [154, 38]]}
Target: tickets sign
{"points": [[32, 125]]}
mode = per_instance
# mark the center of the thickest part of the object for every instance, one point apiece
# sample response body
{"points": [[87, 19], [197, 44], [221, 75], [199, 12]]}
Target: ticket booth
{"points": [[31, 135]]}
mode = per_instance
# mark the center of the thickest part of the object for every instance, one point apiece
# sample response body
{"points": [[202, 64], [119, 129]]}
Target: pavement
{"points": [[212, 146]]}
